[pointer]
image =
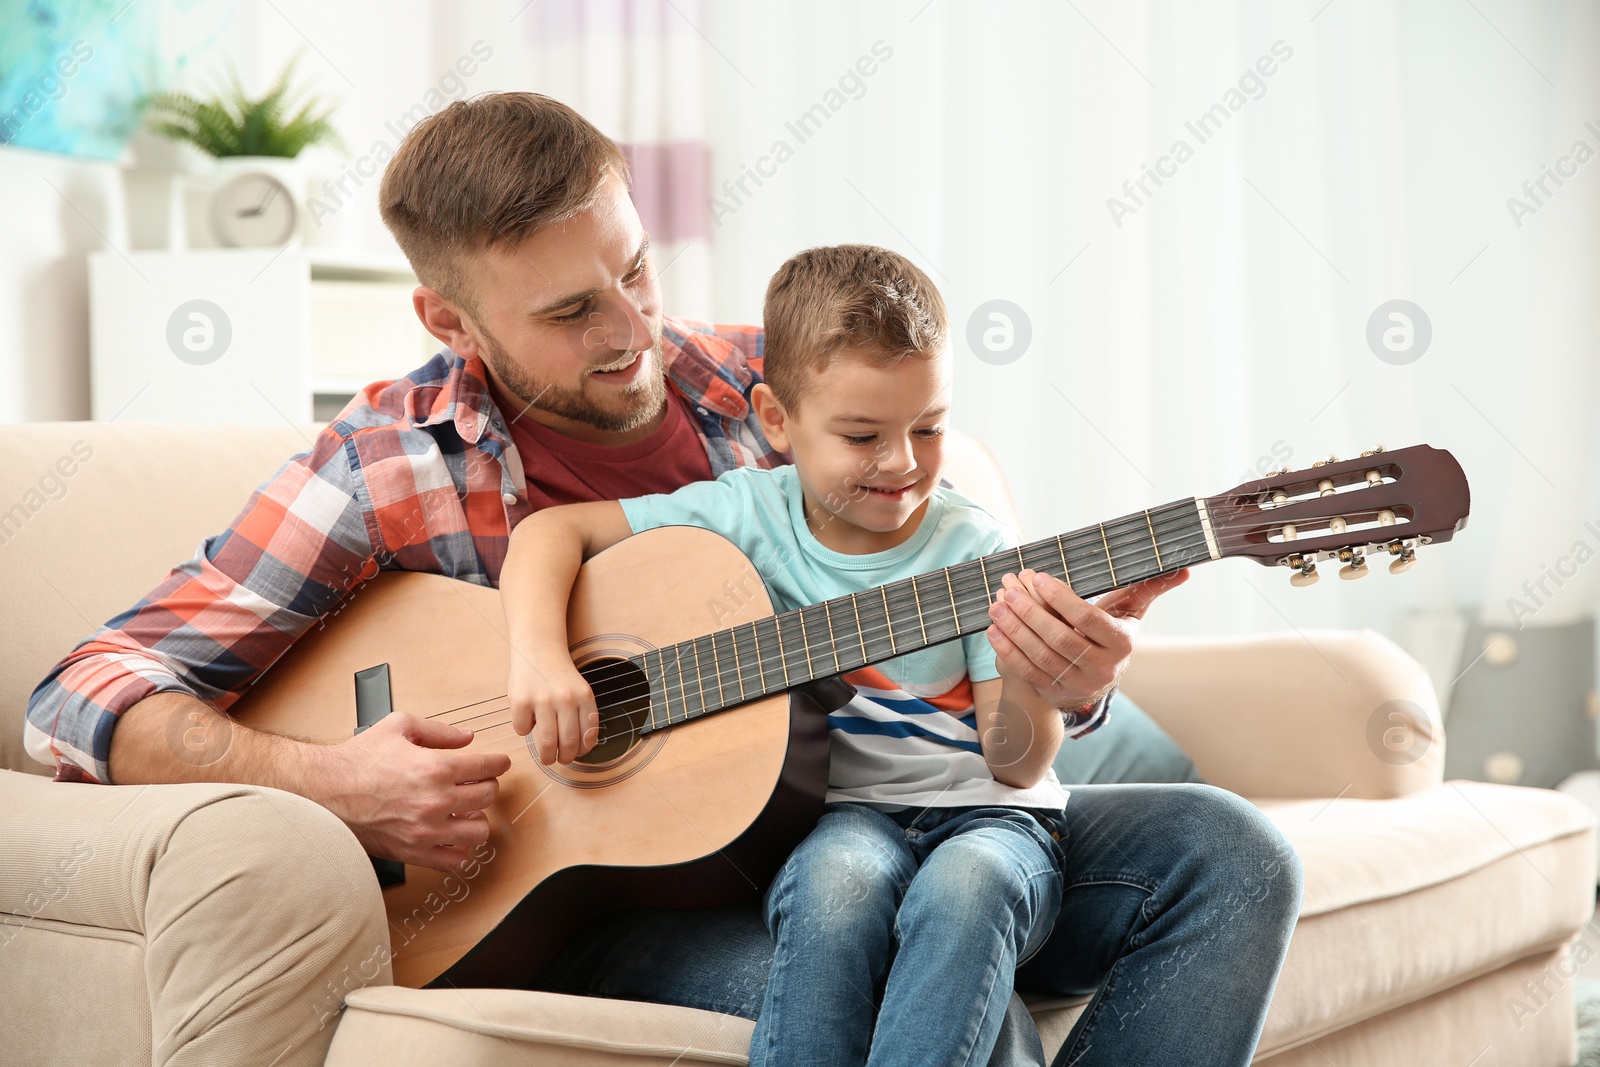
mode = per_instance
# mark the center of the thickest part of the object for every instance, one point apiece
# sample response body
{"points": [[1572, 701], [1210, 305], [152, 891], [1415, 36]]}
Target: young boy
{"points": [[899, 922]]}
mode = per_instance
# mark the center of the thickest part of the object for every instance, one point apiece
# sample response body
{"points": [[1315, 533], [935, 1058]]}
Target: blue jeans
{"points": [[1176, 910], [897, 935]]}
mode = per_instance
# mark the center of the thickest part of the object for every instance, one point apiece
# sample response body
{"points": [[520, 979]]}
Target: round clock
{"points": [[255, 210]]}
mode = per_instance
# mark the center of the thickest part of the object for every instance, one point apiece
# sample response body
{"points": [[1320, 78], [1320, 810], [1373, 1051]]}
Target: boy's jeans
{"points": [[1176, 913], [926, 910]]}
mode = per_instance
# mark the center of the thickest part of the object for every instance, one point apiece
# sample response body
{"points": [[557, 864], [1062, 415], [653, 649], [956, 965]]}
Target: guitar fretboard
{"points": [[770, 655]]}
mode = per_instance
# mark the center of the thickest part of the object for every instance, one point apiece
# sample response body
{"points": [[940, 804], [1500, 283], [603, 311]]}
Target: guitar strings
{"points": [[900, 591], [965, 585], [777, 662], [903, 591]]}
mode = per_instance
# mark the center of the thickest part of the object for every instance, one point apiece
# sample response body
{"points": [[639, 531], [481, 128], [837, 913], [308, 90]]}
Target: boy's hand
{"points": [[550, 698], [1068, 649]]}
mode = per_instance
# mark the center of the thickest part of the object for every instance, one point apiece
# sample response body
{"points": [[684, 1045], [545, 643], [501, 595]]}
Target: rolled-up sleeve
{"points": [[216, 622]]}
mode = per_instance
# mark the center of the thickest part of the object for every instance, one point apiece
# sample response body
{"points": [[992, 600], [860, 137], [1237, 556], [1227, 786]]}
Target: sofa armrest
{"points": [[196, 923], [1305, 714]]}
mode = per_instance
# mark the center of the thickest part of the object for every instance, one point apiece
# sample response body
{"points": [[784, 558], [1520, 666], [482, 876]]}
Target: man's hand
{"points": [[1068, 649], [551, 699], [405, 798]]}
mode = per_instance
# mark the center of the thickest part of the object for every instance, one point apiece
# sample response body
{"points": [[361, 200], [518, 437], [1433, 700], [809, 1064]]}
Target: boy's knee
{"points": [[987, 868], [842, 881]]}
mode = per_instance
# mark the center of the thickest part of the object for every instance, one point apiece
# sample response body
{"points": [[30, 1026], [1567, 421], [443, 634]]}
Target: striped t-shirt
{"points": [[909, 736]]}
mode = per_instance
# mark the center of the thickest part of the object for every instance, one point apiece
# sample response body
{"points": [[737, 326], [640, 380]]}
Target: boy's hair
{"points": [[486, 171], [858, 297]]}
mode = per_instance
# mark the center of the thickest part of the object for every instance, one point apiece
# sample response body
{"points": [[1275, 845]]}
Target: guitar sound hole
{"points": [[622, 694]]}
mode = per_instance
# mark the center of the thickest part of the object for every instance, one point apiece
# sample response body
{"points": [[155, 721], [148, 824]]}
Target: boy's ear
{"points": [[774, 420]]}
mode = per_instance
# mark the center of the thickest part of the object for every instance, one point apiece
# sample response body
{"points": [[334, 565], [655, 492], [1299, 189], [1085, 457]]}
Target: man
{"points": [[563, 382]]}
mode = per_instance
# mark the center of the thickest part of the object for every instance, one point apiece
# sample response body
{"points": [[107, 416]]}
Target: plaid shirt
{"points": [[417, 474]]}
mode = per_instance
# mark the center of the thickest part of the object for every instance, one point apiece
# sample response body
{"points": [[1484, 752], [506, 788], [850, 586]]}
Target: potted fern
{"points": [[257, 140]]}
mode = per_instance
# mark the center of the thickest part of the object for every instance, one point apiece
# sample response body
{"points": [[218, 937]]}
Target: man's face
{"points": [[571, 320], [868, 446]]}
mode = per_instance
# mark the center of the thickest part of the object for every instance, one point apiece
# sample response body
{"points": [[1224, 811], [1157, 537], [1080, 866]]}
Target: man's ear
{"points": [[774, 420], [440, 318]]}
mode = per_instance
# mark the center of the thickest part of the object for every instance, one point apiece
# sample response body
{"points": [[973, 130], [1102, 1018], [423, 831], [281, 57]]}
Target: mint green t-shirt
{"points": [[909, 736]]}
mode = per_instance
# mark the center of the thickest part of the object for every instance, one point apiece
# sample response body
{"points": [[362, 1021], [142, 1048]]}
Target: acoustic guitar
{"points": [[713, 756]]}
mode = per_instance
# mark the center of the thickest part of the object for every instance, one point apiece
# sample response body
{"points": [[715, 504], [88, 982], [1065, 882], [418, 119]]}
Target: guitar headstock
{"points": [[1389, 502]]}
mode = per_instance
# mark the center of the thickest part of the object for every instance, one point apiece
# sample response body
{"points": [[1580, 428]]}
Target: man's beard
{"points": [[640, 402]]}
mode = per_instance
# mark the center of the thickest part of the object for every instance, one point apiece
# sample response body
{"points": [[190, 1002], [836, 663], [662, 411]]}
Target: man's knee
{"points": [[268, 897], [1232, 839]]}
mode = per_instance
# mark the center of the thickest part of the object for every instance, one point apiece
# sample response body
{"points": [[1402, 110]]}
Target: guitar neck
{"points": [[743, 663]]}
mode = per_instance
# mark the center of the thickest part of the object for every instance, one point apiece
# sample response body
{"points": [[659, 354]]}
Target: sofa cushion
{"points": [[490, 1027], [493, 1027], [1481, 874]]}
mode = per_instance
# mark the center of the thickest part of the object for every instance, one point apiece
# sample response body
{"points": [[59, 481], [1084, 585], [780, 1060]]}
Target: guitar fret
{"points": [[699, 678], [968, 575], [677, 653], [1110, 564], [1066, 573], [861, 633], [805, 643], [738, 670], [833, 642], [1153, 543], [660, 678], [716, 662], [917, 599], [783, 659], [955, 609], [933, 629], [761, 659], [888, 619]]}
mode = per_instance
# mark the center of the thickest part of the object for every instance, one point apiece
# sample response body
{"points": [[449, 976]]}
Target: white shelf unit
{"points": [[306, 329]]}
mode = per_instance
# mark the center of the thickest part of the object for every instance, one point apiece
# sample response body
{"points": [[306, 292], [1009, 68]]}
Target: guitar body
{"points": [[693, 815]]}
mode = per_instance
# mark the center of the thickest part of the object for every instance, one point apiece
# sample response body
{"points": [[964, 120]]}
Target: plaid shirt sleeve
{"points": [[1081, 722], [217, 621]]}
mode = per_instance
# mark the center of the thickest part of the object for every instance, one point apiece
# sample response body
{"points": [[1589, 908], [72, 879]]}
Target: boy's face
{"points": [[867, 444]]}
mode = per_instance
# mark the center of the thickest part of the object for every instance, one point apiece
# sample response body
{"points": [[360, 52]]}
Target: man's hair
{"points": [[487, 171], [857, 297]]}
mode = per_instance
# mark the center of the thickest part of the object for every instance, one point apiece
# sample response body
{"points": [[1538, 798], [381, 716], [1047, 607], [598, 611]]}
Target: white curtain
{"points": [[1210, 326], [634, 69]]}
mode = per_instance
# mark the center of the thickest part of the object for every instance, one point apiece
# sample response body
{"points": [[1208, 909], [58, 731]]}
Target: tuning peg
{"points": [[1305, 572], [1331, 458], [1355, 565], [1373, 451], [1404, 562]]}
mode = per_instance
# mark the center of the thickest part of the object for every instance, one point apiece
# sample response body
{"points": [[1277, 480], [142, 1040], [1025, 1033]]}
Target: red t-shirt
{"points": [[563, 471]]}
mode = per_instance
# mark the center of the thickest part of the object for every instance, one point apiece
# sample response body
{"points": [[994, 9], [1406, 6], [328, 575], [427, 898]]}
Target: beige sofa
{"points": [[219, 924]]}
